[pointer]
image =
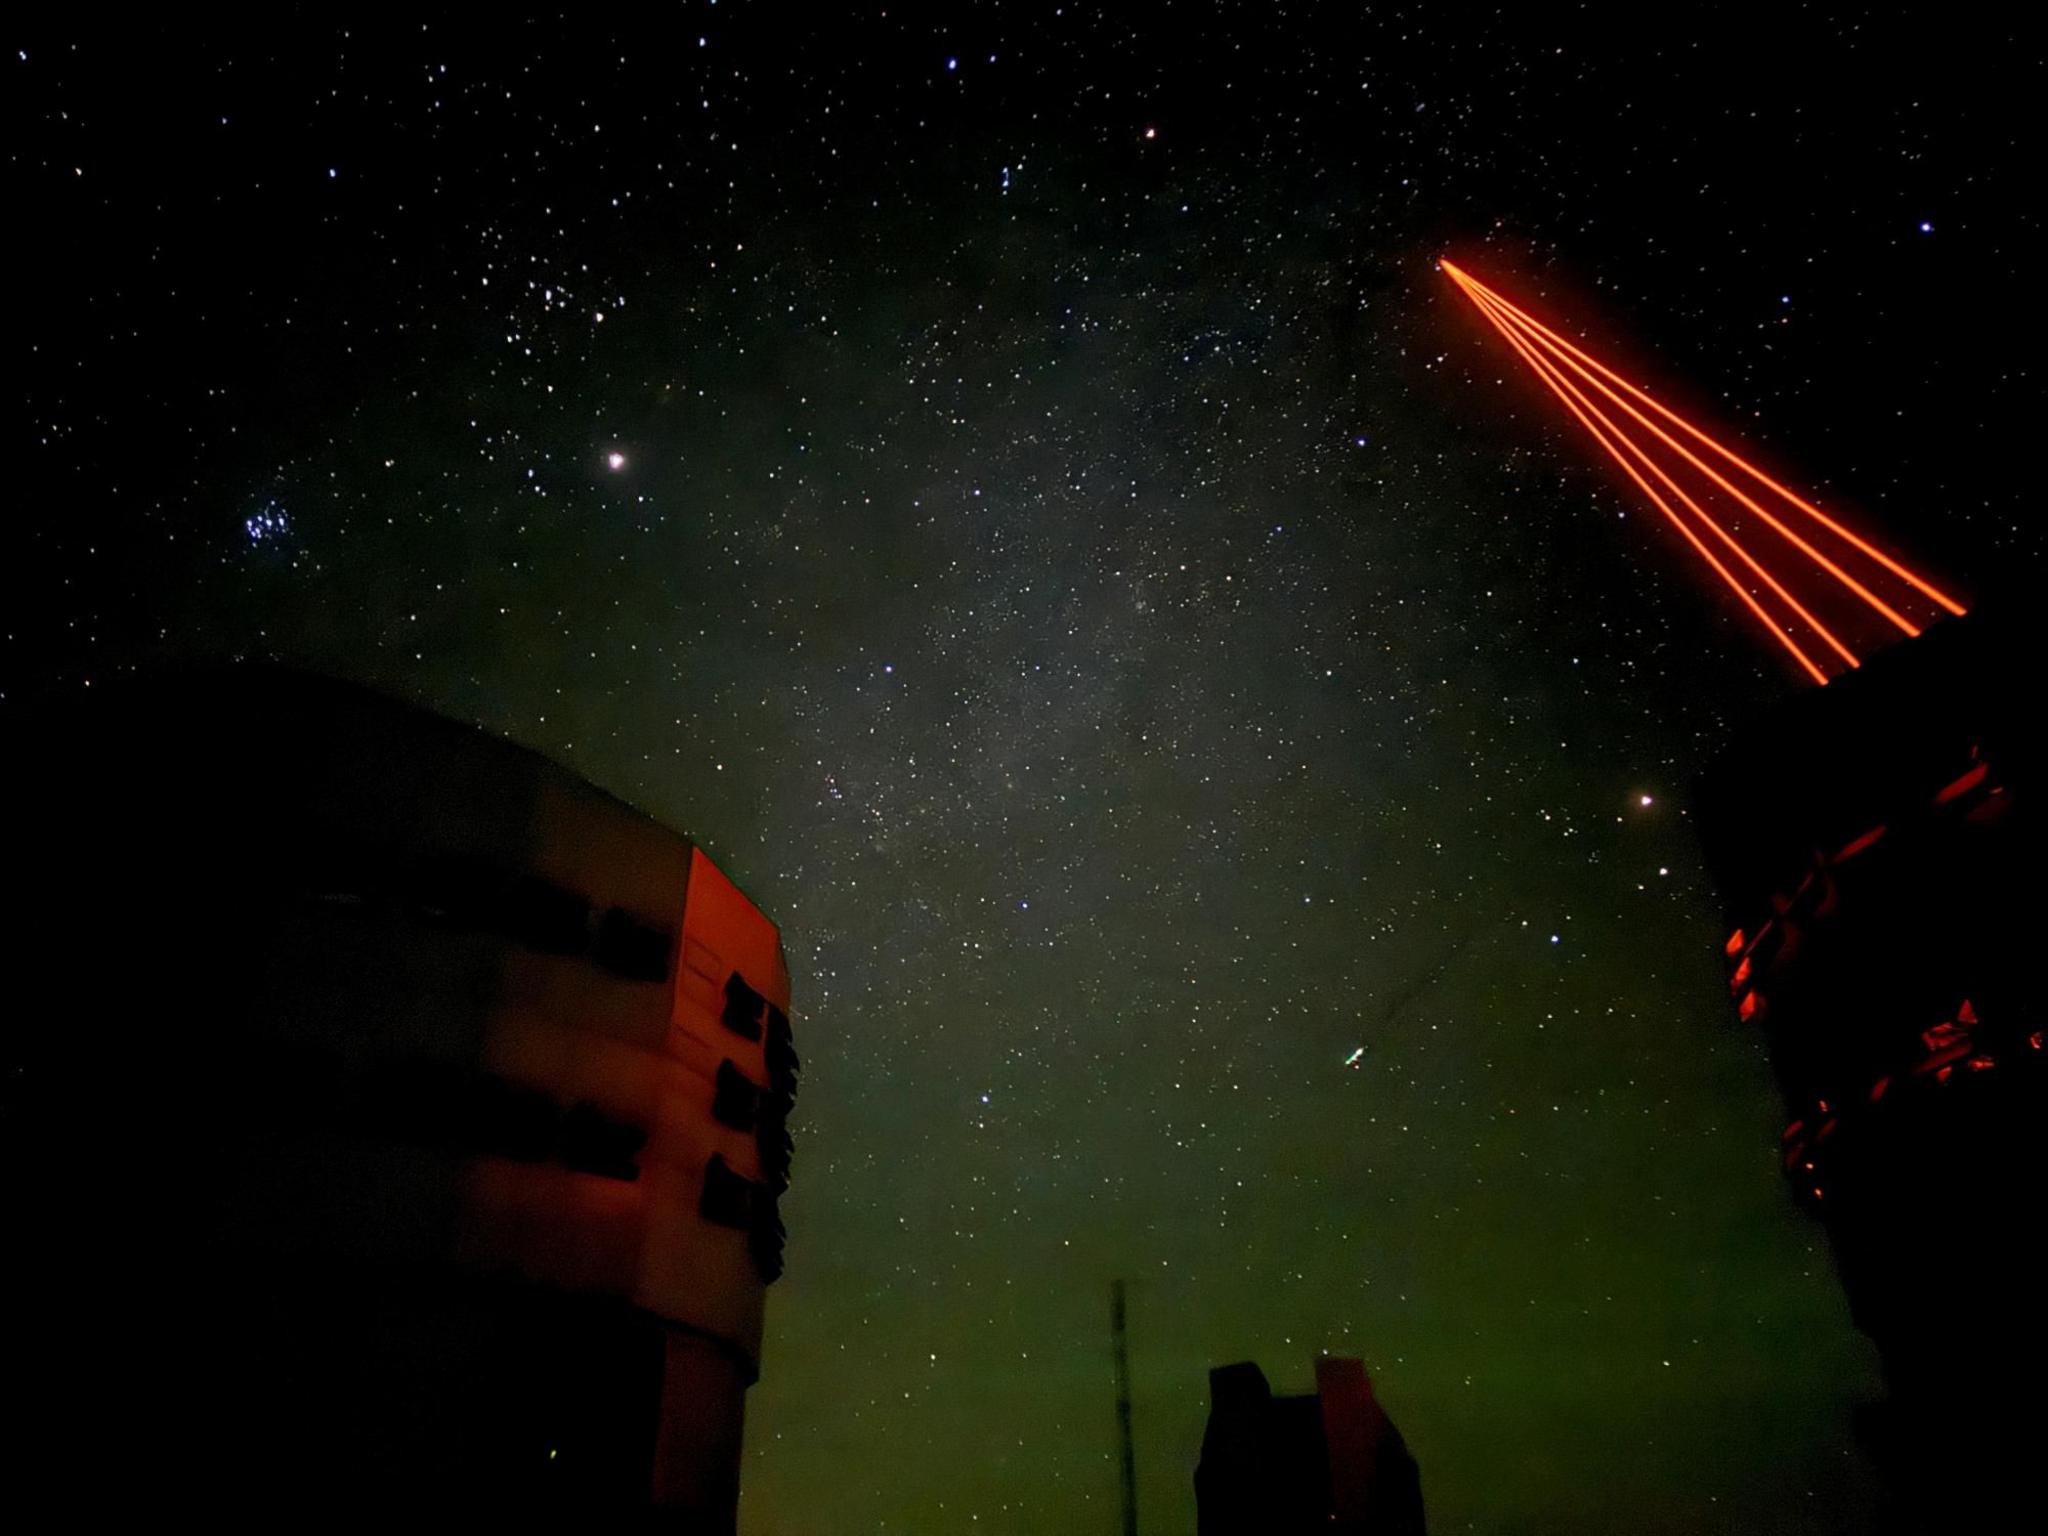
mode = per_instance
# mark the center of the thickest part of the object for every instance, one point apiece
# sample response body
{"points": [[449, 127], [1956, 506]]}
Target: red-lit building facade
{"points": [[1878, 845], [395, 1121]]}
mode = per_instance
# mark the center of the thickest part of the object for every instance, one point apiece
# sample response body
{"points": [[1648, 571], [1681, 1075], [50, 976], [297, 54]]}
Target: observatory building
{"points": [[398, 1122], [1878, 845]]}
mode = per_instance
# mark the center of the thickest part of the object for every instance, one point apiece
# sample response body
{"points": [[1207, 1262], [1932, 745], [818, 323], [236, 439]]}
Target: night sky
{"points": [[1015, 487]]}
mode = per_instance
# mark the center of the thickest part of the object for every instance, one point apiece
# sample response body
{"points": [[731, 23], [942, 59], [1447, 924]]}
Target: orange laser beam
{"points": [[1736, 459], [1727, 538], [1904, 624], [1777, 628], [1470, 283], [1543, 372]]}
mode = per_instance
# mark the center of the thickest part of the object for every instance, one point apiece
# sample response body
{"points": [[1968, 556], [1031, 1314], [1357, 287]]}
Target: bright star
{"points": [[616, 459]]}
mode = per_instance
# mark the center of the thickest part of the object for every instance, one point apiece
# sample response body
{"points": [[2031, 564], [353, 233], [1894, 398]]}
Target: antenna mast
{"points": [[1127, 1465]]}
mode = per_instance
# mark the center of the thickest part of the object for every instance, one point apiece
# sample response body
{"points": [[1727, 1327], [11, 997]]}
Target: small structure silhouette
{"points": [[1330, 1462]]}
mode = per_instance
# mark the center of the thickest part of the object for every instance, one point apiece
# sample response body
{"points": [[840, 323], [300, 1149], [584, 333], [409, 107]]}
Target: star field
{"points": [[1009, 481]]}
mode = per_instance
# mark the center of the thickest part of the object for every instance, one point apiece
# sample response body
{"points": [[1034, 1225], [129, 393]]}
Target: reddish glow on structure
{"points": [[1734, 944], [1964, 785], [1858, 845], [1804, 602], [1941, 1063], [1941, 1036]]}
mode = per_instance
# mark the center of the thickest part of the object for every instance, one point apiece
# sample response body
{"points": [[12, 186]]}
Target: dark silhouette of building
{"points": [[392, 1120], [1878, 845], [1331, 1461]]}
